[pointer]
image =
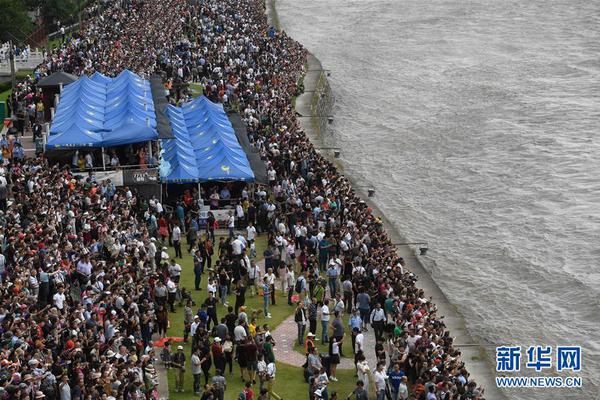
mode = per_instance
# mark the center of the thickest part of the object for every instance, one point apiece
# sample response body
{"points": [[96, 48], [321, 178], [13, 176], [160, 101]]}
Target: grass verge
{"points": [[289, 382]]}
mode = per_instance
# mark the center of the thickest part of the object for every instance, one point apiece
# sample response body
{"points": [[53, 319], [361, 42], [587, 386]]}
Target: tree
{"points": [[16, 24], [53, 11]]}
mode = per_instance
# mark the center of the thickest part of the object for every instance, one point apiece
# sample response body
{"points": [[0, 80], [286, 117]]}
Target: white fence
{"points": [[25, 60]]}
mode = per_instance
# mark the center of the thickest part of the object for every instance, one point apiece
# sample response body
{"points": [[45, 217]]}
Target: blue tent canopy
{"points": [[205, 147], [100, 111]]}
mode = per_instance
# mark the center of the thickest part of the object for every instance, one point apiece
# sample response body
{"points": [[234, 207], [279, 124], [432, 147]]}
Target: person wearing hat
{"points": [[218, 355], [309, 343], [178, 362]]}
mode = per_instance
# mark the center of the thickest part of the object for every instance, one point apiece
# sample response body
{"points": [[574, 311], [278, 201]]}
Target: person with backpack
{"points": [[301, 319], [300, 286]]}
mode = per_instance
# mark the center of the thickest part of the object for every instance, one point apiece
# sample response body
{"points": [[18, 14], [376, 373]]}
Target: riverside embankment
{"points": [[314, 106]]}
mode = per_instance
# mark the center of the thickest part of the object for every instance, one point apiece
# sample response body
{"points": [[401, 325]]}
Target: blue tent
{"points": [[100, 111], [205, 147], [178, 162]]}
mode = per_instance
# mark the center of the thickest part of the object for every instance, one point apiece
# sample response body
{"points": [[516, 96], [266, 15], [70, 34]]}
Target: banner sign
{"points": [[116, 177], [140, 176]]}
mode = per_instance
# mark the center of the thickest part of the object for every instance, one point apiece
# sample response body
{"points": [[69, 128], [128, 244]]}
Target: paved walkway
{"points": [[286, 334], [163, 381]]}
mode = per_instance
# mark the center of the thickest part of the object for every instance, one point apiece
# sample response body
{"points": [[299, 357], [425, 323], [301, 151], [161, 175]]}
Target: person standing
{"points": [[261, 369], [240, 294], [313, 309], [64, 388], [403, 389], [178, 362], [266, 296], [250, 233], [219, 385], [395, 378], [338, 329], [253, 277], [171, 293], [271, 370], [271, 281], [211, 309], [359, 392], [300, 318], [378, 319], [192, 234], [380, 378], [188, 319], [354, 322], [198, 269], [291, 280], [363, 301], [363, 372], [332, 275], [347, 290], [196, 370], [325, 321], [231, 224], [334, 355], [205, 360], [359, 345], [217, 354], [176, 238], [174, 271]]}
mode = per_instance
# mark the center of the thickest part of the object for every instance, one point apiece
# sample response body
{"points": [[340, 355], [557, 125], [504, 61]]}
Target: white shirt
{"points": [[239, 333], [251, 231], [59, 300], [84, 268], [380, 378], [271, 278], [174, 270], [236, 247], [211, 287], [271, 370], [231, 222], [193, 328], [171, 287], [335, 348], [377, 315], [411, 341], [253, 272], [324, 313], [176, 235], [360, 339]]}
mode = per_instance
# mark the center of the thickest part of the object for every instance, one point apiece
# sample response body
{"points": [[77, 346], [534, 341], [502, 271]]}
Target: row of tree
{"points": [[17, 23]]}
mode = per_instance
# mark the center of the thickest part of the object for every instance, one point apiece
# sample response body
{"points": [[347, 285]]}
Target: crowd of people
{"points": [[86, 281]]}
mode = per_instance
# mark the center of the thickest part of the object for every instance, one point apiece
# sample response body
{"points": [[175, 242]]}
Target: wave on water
{"points": [[477, 124]]}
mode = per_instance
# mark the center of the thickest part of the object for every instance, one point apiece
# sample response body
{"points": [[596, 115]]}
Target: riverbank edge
{"points": [[317, 102]]}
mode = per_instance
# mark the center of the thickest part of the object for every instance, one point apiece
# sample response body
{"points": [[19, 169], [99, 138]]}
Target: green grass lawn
{"points": [[4, 95], [57, 41], [196, 89], [289, 379]]}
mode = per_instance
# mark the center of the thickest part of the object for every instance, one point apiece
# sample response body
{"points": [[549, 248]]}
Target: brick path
{"points": [[286, 334]]}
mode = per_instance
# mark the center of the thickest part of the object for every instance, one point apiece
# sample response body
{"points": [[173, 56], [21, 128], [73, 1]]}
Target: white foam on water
{"points": [[477, 123]]}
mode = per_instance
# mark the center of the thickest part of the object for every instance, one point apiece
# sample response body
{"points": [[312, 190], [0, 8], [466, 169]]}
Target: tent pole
{"points": [[103, 160], [150, 149], [200, 201]]}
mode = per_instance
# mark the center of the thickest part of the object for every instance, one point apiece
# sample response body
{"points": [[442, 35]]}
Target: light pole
{"points": [[11, 56]]}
